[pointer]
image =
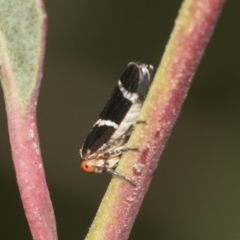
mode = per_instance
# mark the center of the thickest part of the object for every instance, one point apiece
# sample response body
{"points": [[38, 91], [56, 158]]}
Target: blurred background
{"points": [[195, 192]]}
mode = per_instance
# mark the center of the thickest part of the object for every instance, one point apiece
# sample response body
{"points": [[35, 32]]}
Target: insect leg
{"points": [[118, 151], [115, 142], [111, 171], [141, 122], [105, 153]]}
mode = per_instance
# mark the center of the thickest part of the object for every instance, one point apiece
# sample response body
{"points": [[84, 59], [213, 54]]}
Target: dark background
{"points": [[195, 192]]}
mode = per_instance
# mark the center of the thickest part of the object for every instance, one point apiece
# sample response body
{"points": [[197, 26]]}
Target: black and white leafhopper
{"points": [[107, 139]]}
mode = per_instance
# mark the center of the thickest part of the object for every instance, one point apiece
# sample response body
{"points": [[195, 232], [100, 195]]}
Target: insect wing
{"points": [[134, 80]]}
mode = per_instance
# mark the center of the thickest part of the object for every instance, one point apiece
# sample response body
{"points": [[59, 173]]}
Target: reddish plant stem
{"points": [[122, 201], [25, 146], [30, 173]]}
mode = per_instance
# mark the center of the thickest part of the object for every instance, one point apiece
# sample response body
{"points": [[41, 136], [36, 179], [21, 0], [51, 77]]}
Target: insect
{"points": [[107, 139]]}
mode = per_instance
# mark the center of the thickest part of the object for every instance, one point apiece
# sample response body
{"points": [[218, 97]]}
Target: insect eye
{"points": [[86, 167]]}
